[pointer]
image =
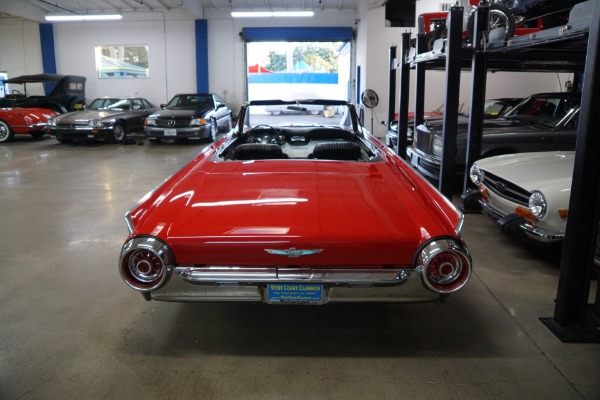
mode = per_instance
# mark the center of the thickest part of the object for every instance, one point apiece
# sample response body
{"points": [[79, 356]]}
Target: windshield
{"points": [[110, 104], [191, 101], [299, 113], [545, 109]]}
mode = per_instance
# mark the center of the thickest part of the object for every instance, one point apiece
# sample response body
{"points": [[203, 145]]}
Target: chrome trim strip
{"points": [[250, 275]]}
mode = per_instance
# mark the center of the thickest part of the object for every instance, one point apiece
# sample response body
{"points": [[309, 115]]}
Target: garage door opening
{"points": [[290, 63], [298, 70]]}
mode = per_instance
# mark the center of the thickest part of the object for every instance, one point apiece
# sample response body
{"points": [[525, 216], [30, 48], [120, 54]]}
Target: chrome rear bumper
{"points": [[198, 284]]}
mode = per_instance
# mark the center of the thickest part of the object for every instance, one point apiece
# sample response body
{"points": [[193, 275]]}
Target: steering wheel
{"points": [[264, 137], [15, 91]]}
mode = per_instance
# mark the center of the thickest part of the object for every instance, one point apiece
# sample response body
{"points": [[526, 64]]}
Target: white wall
{"points": [[171, 54], [20, 51]]}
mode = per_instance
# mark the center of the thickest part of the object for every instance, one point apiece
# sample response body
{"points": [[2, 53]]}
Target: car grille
{"points": [[423, 141], [506, 189], [173, 122], [72, 124]]}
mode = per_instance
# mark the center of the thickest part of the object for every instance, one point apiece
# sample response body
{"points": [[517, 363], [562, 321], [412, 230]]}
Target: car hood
{"points": [[31, 112], [173, 113], [490, 127], [533, 171], [88, 115], [230, 212]]}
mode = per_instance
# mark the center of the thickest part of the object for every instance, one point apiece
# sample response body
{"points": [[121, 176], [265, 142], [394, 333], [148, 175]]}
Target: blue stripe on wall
{"points": [[48, 55], [201, 55], [298, 34]]}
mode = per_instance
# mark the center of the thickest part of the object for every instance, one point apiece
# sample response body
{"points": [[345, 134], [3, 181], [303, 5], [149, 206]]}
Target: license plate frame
{"points": [[295, 293]]}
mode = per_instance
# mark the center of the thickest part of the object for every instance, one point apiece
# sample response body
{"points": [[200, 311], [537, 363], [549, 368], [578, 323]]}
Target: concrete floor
{"points": [[71, 329]]}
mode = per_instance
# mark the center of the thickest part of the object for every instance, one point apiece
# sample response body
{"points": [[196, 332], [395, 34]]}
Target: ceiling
{"points": [[36, 9]]}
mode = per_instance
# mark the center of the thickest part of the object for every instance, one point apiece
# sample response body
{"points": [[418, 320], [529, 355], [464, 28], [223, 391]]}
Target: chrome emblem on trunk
{"points": [[293, 252]]}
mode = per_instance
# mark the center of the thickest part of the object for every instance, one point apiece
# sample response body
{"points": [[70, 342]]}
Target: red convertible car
{"points": [[310, 211], [14, 121]]}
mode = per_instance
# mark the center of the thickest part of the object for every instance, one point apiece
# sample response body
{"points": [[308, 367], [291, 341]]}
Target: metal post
{"points": [[453, 68], [404, 95], [420, 83], [478, 86], [574, 319], [392, 87]]}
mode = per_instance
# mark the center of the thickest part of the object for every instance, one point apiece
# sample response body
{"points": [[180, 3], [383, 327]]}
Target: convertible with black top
{"points": [[308, 211]]}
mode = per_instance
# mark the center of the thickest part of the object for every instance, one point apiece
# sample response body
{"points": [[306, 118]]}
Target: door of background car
{"points": [[140, 108], [222, 112], [566, 132]]}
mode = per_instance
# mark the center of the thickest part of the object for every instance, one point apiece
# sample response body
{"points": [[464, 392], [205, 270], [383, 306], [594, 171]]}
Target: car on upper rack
{"points": [[302, 212], [17, 121], [541, 122], [106, 118], [190, 116], [494, 108], [526, 194], [67, 93]]}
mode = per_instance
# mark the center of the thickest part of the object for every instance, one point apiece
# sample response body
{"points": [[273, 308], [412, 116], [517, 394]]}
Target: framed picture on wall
{"points": [[122, 61]]}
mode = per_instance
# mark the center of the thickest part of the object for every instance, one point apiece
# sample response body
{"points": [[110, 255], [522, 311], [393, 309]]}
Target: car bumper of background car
{"points": [[200, 132], [187, 286], [82, 133], [542, 235], [427, 166]]}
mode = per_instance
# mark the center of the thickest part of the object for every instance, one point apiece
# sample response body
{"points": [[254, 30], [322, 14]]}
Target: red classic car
{"points": [[30, 121], [308, 211]]}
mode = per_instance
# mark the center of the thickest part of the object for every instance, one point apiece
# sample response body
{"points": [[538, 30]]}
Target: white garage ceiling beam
{"points": [[23, 9], [193, 7]]}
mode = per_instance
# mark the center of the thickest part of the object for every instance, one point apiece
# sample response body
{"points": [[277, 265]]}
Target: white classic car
{"points": [[526, 192]]}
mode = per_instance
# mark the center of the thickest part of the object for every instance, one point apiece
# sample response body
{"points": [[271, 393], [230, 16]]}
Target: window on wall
{"points": [[122, 61], [400, 13]]}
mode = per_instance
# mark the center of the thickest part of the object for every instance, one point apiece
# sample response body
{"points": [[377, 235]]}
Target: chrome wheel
{"points": [[6, 134], [118, 135]]}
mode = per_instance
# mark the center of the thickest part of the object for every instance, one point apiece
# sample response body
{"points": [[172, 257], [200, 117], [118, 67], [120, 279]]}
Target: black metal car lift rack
{"points": [[570, 48]]}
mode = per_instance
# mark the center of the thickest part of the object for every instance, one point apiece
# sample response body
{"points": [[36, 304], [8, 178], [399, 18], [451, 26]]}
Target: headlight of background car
{"points": [[51, 122], [95, 123], [476, 174], [537, 204], [437, 147], [150, 121], [409, 135], [197, 122]]}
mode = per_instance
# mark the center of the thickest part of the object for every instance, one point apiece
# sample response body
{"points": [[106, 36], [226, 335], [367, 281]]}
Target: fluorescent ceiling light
{"points": [[267, 14], [83, 17]]}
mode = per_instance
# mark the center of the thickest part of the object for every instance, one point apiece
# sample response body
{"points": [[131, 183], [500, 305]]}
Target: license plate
{"points": [[170, 132], [295, 293]]}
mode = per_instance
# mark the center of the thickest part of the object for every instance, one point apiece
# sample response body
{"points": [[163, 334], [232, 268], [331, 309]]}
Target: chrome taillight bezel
{"points": [[151, 254], [453, 273]]}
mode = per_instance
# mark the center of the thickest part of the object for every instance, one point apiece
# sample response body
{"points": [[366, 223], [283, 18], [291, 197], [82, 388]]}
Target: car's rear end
{"points": [[294, 231]]}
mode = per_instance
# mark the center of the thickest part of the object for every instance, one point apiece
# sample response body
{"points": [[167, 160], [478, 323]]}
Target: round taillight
{"points": [[145, 263], [445, 265]]}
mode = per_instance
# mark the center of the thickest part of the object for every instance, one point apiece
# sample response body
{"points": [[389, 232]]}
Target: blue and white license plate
{"points": [[295, 293]]}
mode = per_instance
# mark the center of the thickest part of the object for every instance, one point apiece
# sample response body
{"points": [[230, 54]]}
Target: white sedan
{"points": [[527, 192]]}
